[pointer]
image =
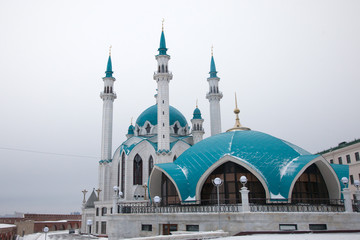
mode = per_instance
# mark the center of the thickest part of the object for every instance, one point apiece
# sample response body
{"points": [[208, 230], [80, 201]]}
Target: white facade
{"points": [[347, 154]]}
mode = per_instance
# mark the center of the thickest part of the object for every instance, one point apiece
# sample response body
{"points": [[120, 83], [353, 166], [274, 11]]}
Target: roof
{"points": [[150, 114], [109, 71], [341, 145], [162, 49], [197, 114], [212, 68], [275, 160], [131, 129], [90, 203]]}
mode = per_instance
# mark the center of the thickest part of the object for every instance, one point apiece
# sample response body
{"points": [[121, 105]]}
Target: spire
{"points": [[212, 64], [237, 125], [109, 71], [162, 49]]}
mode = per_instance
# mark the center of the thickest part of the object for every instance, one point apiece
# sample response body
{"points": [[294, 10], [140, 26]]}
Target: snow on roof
{"points": [[7, 225]]}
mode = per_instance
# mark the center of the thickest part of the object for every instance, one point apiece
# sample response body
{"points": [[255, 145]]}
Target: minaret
{"points": [[197, 125], [108, 96], [163, 77], [214, 96]]}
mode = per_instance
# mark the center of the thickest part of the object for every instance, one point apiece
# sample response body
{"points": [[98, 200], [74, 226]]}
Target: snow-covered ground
{"points": [[64, 235]]}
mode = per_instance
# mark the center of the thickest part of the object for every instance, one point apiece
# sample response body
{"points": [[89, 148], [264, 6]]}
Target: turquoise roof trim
{"points": [[197, 114], [150, 114], [162, 49], [109, 71], [277, 161], [213, 71]]}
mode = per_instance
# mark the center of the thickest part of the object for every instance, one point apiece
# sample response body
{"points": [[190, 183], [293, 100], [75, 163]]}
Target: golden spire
{"points": [[110, 50], [196, 103], [131, 120], [163, 20], [237, 125], [212, 50]]}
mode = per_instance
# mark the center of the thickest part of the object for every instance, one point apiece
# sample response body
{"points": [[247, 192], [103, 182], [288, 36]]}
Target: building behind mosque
{"points": [[161, 178]]}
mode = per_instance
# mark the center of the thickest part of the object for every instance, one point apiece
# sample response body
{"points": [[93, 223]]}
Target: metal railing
{"points": [[265, 205]]}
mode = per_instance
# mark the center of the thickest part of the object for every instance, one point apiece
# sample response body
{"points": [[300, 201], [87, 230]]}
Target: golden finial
{"points": [[212, 50], [110, 50], [131, 120], [163, 20], [196, 103], [237, 125]]}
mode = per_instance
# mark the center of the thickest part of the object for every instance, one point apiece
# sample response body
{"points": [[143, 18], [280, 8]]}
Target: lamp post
{"points": [[116, 199], [217, 183], [244, 194], [89, 223], [347, 195], [157, 201], [145, 187], [46, 230], [357, 195]]}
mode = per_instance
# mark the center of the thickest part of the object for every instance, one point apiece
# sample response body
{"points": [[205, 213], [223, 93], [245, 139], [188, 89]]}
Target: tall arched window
{"points": [[151, 164], [230, 173], [174, 158], [123, 174], [118, 174], [137, 170], [176, 129], [310, 187]]}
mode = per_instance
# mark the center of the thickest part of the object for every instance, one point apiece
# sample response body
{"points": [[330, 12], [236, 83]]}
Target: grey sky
{"points": [[293, 64]]}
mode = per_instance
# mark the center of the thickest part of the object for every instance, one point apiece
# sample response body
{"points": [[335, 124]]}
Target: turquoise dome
{"points": [[150, 115], [275, 160], [131, 129], [197, 114]]}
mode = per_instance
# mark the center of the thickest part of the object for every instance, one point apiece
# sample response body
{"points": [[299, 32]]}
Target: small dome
{"points": [[150, 115], [197, 114], [131, 129]]}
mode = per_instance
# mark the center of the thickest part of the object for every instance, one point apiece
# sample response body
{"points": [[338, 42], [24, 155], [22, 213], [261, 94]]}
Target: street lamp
{"points": [[243, 180], [46, 230], [345, 181], [89, 223], [157, 201], [217, 183]]}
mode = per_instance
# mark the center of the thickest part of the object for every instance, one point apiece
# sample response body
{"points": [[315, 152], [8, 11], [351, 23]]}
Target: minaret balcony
{"points": [[214, 96], [167, 75], [106, 96]]}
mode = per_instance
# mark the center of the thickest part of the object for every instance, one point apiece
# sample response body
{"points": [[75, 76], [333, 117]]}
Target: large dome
{"points": [[150, 114], [275, 160]]}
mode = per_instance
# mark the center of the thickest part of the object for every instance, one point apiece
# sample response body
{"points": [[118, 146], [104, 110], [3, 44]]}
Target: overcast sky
{"points": [[295, 66]]}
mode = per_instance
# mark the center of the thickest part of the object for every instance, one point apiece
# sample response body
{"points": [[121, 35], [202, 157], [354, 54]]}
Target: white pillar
{"points": [[347, 200], [245, 199]]}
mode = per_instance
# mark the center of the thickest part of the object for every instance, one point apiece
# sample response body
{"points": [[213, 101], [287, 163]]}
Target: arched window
{"points": [[110, 89], [230, 173], [123, 174], [138, 131], [151, 164], [174, 158], [176, 129], [217, 89], [137, 170], [168, 191], [118, 174], [310, 187], [148, 128], [159, 68], [166, 68], [162, 68]]}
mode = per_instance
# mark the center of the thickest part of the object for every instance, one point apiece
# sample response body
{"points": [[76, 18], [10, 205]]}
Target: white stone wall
{"points": [[129, 225]]}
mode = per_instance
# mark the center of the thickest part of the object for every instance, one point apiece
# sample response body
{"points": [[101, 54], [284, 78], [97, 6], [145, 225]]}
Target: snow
{"points": [[305, 236], [63, 235], [284, 170], [7, 225], [277, 196], [190, 199]]}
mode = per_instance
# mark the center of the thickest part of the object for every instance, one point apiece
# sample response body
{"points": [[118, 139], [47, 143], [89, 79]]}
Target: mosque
{"points": [[161, 178]]}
